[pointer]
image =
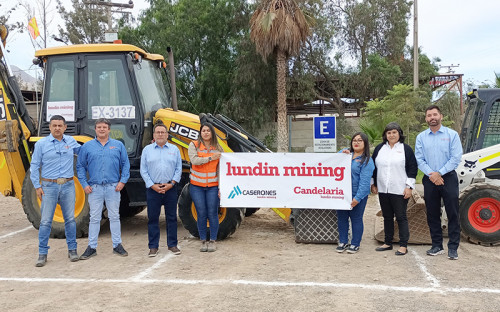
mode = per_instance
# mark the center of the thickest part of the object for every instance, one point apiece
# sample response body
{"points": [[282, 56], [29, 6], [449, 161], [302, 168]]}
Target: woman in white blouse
{"points": [[394, 179]]}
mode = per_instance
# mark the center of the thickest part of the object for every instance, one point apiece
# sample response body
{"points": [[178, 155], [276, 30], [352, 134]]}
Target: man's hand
{"points": [[119, 186], [436, 178], [374, 189], [39, 193], [354, 203], [162, 188], [87, 189], [407, 193]]}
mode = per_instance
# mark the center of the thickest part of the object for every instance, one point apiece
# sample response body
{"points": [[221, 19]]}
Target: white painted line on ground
{"points": [[442, 290], [16, 232], [153, 267], [421, 264]]}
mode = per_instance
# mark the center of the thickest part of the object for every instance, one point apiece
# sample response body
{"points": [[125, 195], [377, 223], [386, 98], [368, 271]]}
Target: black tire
{"points": [[31, 207], [229, 218], [250, 211], [479, 214]]}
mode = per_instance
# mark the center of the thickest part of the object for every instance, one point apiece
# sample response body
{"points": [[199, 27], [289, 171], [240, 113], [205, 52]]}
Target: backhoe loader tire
{"points": [[229, 218], [480, 214], [250, 211], [31, 207]]}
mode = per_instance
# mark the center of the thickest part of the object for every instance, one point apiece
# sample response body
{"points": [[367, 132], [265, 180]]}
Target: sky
{"points": [[459, 32]]}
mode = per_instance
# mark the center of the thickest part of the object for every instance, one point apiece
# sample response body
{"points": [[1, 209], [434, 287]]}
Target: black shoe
{"points": [[89, 252], [42, 259], [341, 247], [434, 251], [73, 255], [381, 248], [400, 253], [119, 250], [353, 249], [452, 254]]}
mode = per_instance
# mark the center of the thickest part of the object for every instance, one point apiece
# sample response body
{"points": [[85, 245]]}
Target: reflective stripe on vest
{"points": [[204, 175]]}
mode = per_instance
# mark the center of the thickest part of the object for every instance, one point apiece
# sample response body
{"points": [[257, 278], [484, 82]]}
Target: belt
{"points": [[58, 180]]}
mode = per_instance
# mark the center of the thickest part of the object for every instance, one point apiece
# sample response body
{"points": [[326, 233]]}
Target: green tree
{"points": [[371, 27], [5, 14], [402, 105], [204, 36], [279, 27], [85, 24]]}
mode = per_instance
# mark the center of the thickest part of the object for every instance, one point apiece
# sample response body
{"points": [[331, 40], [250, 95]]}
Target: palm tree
{"points": [[279, 26]]}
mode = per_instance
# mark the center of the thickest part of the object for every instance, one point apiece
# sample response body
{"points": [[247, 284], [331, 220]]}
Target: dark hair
{"points": [[213, 140], [159, 124], [365, 157], [57, 117], [103, 120], [393, 126], [432, 107]]}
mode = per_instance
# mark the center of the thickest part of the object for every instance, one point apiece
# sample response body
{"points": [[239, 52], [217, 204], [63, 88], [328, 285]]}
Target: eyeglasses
{"points": [[358, 141], [160, 132]]}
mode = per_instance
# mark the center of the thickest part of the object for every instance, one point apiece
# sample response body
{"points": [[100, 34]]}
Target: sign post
{"points": [[325, 139]]}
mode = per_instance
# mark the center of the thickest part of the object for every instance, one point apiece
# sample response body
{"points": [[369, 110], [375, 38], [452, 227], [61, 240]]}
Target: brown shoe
{"points": [[153, 252], [176, 251]]}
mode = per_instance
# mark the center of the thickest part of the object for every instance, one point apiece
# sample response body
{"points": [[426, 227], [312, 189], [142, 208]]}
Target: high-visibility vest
{"points": [[204, 175]]}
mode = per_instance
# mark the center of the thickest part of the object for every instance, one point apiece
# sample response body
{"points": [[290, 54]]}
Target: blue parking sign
{"points": [[324, 127], [324, 134]]}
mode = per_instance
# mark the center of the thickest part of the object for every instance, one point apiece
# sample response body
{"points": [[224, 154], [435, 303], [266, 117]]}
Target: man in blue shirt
{"points": [[438, 151], [54, 155], [161, 169], [106, 162]]}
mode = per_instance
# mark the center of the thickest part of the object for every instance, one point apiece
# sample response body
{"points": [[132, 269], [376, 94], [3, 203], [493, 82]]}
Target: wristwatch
{"points": [[172, 182]]}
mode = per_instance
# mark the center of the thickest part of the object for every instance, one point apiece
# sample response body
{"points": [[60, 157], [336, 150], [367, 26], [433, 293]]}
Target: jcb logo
{"points": [[184, 131]]}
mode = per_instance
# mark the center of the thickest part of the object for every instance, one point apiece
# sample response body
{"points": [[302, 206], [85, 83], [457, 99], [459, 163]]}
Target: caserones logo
{"points": [[235, 192], [259, 193]]}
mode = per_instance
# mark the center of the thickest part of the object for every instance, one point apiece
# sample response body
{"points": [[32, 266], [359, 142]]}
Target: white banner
{"points": [[63, 108], [286, 180]]}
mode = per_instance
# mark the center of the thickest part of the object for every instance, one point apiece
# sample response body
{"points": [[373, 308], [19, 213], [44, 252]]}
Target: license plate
{"points": [[113, 112]]}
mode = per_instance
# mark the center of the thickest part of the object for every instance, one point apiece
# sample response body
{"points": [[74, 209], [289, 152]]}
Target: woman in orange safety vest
{"points": [[204, 155]]}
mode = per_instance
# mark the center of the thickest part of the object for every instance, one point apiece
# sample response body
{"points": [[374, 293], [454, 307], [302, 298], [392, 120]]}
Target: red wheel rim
{"points": [[484, 215]]}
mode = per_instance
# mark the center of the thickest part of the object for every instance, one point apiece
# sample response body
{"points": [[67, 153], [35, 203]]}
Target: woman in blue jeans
{"points": [[361, 172], [204, 155]]}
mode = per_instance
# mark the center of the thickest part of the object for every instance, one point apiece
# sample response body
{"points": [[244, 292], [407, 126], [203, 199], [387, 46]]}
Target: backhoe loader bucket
{"points": [[417, 223]]}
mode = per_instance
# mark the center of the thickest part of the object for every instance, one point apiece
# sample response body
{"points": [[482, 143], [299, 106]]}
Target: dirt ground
{"points": [[260, 268]]}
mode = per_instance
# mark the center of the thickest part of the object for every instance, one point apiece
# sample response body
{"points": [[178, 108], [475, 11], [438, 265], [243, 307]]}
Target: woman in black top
{"points": [[394, 179]]}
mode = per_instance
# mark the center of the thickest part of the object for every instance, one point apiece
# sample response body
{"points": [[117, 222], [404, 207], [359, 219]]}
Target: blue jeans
{"points": [[64, 195], [155, 201], [206, 202], [104, 193], [356, 215]]}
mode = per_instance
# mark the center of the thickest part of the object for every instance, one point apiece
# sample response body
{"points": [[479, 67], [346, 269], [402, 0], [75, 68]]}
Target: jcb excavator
{"points": [[124, 84]]}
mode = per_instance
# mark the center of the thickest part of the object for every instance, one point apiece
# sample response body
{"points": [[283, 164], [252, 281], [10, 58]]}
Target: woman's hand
{"points": [[374, 189], [407, 193], [216, 155], [346, 151], [354, 203]]}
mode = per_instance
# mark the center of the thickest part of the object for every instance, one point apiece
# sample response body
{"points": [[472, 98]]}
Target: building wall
{"points": [[301, 135]]}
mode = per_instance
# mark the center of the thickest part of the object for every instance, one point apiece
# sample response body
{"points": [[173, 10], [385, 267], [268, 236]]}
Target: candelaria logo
{"points": [[258, 193]]}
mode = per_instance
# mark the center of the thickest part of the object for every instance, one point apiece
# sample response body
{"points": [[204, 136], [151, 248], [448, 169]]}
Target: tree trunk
{"points": [[281, 88]]}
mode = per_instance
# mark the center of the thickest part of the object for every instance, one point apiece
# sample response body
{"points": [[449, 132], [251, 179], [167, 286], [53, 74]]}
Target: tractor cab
{"points": [[481, 127], [119, 82]]}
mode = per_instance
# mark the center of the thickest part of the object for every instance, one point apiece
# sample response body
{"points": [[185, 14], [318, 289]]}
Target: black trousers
{"points": [[433, 195], [394, 205]]}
